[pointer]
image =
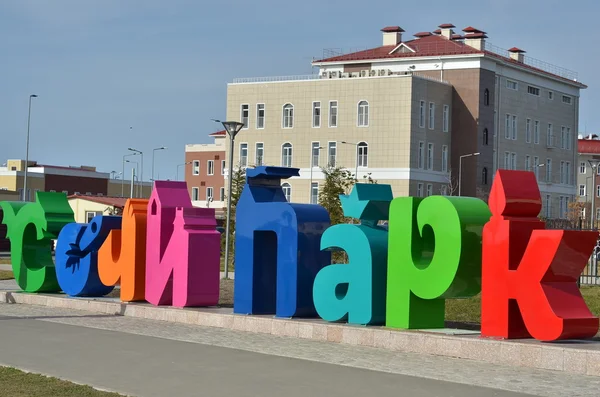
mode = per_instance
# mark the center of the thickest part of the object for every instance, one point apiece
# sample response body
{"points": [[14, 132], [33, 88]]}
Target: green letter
{"points": [[434, 253], [31, 227]]}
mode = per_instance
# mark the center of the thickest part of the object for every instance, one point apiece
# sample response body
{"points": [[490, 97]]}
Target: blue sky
{"points": [[147, 73]]}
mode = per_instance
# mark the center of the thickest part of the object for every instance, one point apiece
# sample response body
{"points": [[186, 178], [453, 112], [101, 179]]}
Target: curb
{"points": [[576, 357]]}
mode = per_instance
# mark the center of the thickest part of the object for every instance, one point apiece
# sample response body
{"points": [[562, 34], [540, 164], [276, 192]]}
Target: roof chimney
{"points": [[517, 54], [446, 30], [392, 35], [475, 38]]}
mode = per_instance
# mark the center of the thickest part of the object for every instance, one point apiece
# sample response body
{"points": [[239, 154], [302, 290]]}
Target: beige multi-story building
{"points": [[435, 114]]}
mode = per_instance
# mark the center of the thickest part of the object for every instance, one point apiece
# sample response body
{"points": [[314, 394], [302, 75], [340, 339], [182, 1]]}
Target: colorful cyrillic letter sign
{"points": [[356, 291], [434, 254], [530, 274], [277, 250], [122, 258], [77, 256], [182, 249], [31, 227]]}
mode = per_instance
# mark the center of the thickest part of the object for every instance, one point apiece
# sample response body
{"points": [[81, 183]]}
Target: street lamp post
{"points": [[180, 165], [232, 128], [27, 149], [460, 169], [141, 177], [312, 164], [153, 152], [136, 173], [356, 170], [123, 173]]}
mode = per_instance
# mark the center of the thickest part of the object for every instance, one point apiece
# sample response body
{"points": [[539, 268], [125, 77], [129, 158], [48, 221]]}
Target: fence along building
{"points": [[409, 110]]}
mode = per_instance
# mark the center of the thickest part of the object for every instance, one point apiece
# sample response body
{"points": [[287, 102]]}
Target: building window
{"points": [[362, 154], [514, 128], [314, 193], [446, 118], [562, 172], [568, 172], [429, 189], [507, 127], [567, 99], [513, 161], [333, 113], [421, 155], [223, 167], [485, 136], [550, 95], [287, 191], [512, 85], [316, 151], [536, 132], [548, 170], [286, 155], [582, 168], [430, 156], [507, 160], [196, 167], [484, 176], [510, 127], [195, 194], [431, 115], [548, 205], [486, 97], [582, 190], [561, 207], [550, 135], [444, 190], [222, 194], [598, 191], [260, 116], [422, 114], [527, 163], [363, 114], [528, 131], [288, 115], [245, 115], [536, 167], [210, 167], [260, 153], [331, 154], [444, 158], [419, 190], [89, 215], [209, 194], [316, 114], [533, 90], [565, 137], [243, 154]]}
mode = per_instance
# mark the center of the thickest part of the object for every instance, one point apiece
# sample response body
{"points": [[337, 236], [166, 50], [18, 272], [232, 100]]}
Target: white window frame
{"points": [[362, 158], [582, 167], [287, 116], [419, 189], [536, 167], [210, 193], [247, 110], [429, 191], [550, 135], [512, 85], [536, 132], [548, 205], [223, 166], [527, 162], [528, 130], [245, 162], [550, 95], [333, 104], [256, 150], [210, 167], [314, 187], [284, 155], [314, 148], [421, 155], [445, 158], [446, 118], [536, 90], [507, 160], [197, 194], [549, 170], [421, 114], [513, 161], [431, 115], [331, 145], [430, 155], [514, 127], [93, 214], [221, 193], [260, 120], [316, 118], [507, 126], [287, 191], [362, 113], [196, 167], [582, 189], [568, 100]]}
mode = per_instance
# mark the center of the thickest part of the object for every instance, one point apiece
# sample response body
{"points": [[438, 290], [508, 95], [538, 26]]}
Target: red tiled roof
{"points": [[218, 133], [588, 146], [432, 46], [471, 29], [515, 49], [456, 37], [390, 29], [446, 26], [437, 31], [118, 202], [475, 36], [422, 34]]}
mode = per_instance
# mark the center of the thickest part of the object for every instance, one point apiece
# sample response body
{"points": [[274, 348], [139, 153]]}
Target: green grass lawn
{"points": [[15, 383], [6, 275]]}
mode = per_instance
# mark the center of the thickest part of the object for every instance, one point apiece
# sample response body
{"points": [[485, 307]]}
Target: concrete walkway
{"points": [[154, 358]]}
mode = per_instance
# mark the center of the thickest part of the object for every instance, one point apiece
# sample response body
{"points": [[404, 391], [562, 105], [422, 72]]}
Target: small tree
{"points": [[337, 181], [238, 180], [575, 213], [451, 185]]}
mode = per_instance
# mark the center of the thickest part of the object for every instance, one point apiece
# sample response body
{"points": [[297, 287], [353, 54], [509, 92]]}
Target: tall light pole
{"points": [[460, 169], [141, 178], [180, 165], [312, 164], [232, 128], [137, 167], [123, 173], [154, 151], [354, 144], [27, 149]]}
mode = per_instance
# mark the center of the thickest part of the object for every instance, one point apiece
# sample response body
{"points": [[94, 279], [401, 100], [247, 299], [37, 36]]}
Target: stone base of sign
{"points": [[577, 357]]}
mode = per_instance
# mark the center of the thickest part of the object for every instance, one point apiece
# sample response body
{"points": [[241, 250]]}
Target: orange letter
{"points": [[123, 255]]}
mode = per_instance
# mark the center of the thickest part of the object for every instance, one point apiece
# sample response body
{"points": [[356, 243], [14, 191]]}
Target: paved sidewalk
{"points": [[182, 360]]}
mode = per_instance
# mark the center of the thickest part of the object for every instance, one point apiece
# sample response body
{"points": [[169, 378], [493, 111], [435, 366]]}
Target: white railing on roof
{"points": [[275, 78]]}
